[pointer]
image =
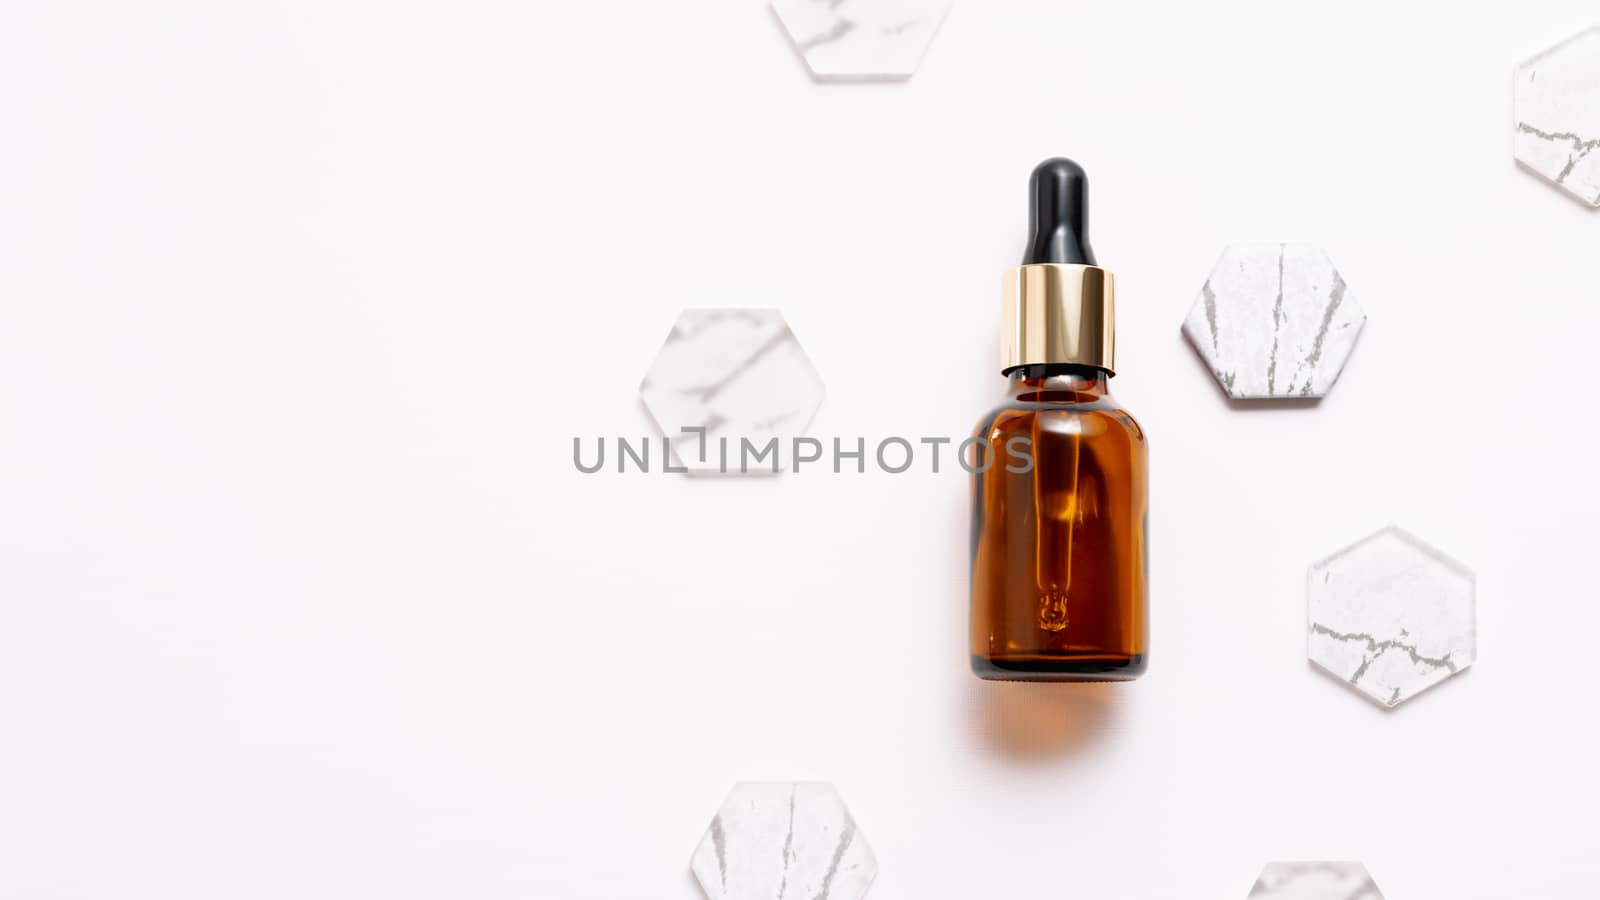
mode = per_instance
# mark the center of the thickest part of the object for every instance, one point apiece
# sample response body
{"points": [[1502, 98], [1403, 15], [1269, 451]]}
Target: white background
{"points": [[301, 305]]}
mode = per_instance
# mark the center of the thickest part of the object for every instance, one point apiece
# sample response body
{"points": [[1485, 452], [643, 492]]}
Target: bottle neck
{"points": [[1058, 383]]}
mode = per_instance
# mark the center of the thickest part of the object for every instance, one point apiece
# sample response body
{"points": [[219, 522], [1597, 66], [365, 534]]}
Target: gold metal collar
{"points": [[1058, 313]]}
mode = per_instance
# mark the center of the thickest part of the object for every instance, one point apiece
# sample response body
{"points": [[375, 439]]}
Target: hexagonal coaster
{"points": [[1274, 321], [736, 375], [861, 40], [1315, 881], [1391, 616], [783, 841], [1558, 115]]}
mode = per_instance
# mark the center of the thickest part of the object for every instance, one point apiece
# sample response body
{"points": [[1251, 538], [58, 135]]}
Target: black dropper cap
{"points": [[1058, 219]]}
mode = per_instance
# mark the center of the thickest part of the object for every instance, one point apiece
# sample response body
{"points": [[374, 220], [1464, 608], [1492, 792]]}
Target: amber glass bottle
{"points": [[1058, 553], [1059, 490]]}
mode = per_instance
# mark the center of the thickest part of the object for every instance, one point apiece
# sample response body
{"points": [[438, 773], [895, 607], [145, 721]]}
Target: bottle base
{"points": [[1035, 667]]}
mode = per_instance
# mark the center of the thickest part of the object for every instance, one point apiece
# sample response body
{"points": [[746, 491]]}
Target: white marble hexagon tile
{"points": [[1315, 881], [1274, 321], [737, 373], [784, 841], [1391, 616], [861, 40], [1558, 115]]}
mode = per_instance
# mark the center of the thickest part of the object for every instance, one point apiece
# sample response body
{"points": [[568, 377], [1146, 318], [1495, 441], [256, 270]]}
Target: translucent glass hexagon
{"points": [[784, 841], [1558, 115], [1274, 321], [725, 376], [1391, 616], [1315, 881], [863, 40]]}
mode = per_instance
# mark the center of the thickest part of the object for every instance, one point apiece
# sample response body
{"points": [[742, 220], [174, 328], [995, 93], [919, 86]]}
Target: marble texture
{"points": [[862, 40], [1315, 881], [1558, 115], [737, 373], [1392, 616], [1274, 321], [784, 841]]}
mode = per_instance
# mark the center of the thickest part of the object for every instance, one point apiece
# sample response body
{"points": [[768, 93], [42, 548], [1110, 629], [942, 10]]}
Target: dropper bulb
{"points": [[1058, 217]]}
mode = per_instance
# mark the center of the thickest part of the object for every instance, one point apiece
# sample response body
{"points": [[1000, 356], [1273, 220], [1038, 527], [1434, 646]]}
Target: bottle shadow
{"points": [[1031, 721]]}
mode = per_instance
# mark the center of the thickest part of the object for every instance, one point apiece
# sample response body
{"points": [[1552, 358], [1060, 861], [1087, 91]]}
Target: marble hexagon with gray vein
{"points": [[1315, 881], [862, 40], [783, 841], [729, 376], [1391, 616], [1558, 115], [1274, 321]]}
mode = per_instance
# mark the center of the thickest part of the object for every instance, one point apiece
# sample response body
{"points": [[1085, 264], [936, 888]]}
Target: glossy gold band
{"points": [[1058, 313]]}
